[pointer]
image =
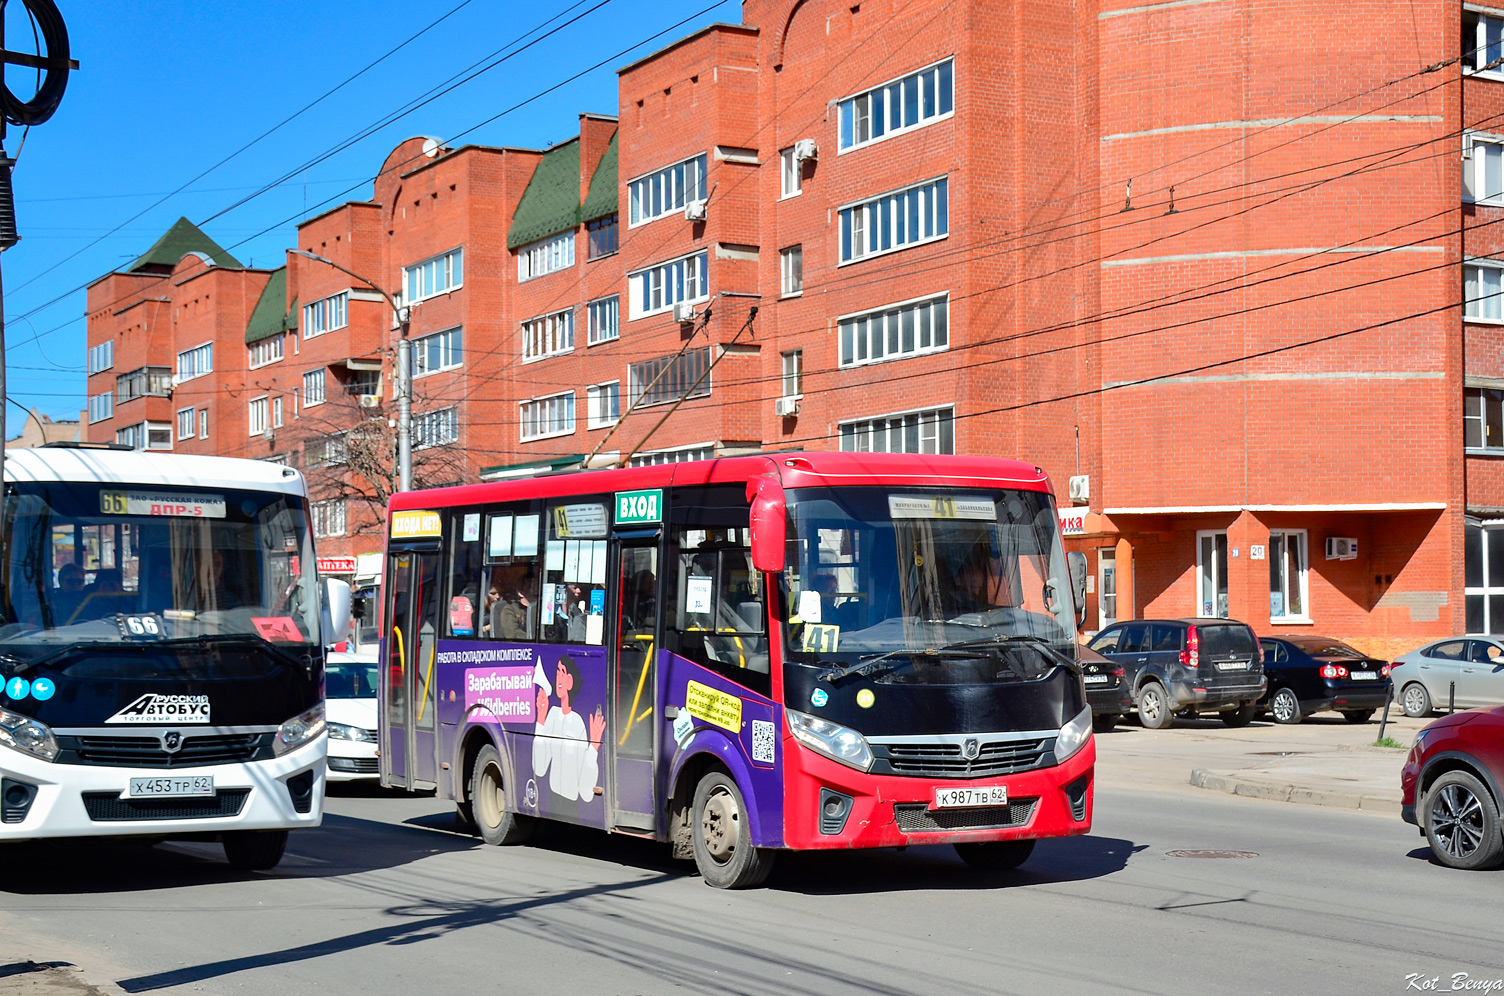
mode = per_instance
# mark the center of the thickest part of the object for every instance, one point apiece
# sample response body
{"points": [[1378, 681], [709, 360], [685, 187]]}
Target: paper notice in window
{"points": [[595, 629], [697, 595], [809, 606]]}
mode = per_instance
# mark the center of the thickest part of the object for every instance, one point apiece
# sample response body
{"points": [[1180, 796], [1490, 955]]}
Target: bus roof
{"points": [[105, 466], [794, 470]]}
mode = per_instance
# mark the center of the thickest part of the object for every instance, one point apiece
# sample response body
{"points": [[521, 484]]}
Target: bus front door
{"points": [[633, 687], [407, 742]]}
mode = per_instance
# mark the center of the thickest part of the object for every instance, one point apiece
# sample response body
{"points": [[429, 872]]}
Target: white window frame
{"points": [[791, 271], [329, 517], [203, 423], [326, 451], [671, 387], [141, 433], [448, 265], [529, 419], [679, 454], [550, 255], [259, 415], [792, 362], [1301, 583], [1482, 153], [1484, 590], [674, 189], [596, 417], [1214, 578], [1481, 45], [858, 220], [102, 356], [790, 173], [195, 362], [436, 428], [190, 416], [329, 314], [102, 407], [869, 330], [265, 351], [315, 387], [277, 412], [548, 335], [658, 278], [604, 319], [1478, 298], [451, 352], [928, 429], [859, 104], [1475, 409]]}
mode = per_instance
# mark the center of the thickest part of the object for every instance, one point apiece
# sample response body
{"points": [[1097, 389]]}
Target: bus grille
{"points": [[147, 752], [996, 757], [108, 807], [916, 817]]}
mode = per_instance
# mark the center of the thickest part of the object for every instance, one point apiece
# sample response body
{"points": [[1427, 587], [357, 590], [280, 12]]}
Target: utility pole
{"points": [[403, 389]]}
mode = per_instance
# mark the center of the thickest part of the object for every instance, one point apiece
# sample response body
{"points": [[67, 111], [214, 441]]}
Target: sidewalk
{"points": [[1323, 761]]}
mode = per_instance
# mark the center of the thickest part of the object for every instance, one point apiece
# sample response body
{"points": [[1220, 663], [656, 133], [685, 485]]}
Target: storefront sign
{"points": [[336, 565], [1073, 521]]}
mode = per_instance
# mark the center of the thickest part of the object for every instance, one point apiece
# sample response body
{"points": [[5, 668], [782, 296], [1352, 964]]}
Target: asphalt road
{"points": [[385, 900]]}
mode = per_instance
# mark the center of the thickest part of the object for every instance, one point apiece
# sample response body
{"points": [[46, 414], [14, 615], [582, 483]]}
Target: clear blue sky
{"points": [[167, 90]]}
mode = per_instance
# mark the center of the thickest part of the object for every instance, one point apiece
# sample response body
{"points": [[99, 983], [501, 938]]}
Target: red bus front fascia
{"points": [[872, 822]]}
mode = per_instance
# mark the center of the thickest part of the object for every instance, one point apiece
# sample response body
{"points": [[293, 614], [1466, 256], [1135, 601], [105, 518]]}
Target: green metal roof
{"points": [[178, 241], [602, 199], [268, 317], [551, 202], [532, 467]]}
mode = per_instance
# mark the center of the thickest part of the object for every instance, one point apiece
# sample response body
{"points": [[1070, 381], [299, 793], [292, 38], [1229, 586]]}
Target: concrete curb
{"points": [[1256, 788]]}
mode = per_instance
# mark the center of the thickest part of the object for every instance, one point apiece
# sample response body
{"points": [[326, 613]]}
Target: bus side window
{"points": [[573, 598], [509, 594], [465, 594]]}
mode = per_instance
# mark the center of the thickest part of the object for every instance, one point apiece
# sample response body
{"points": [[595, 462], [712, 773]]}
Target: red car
{"points": [[1450, 787]]}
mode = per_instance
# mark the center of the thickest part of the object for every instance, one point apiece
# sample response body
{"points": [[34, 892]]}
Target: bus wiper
{"points": [[876, 663], [209, 642], [1037, 642], [19, 665]]}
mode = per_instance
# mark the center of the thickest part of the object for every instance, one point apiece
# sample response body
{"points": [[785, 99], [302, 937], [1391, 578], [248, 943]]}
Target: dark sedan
{"points": [[1106, 689], [1311, 673], [1450, 784]]}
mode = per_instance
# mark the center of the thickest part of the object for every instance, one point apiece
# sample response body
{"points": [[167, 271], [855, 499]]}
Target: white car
{"points": [[350, 711]]}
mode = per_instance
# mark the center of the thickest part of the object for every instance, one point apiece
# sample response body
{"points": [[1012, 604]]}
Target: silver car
{"points": [[1467, 671]]}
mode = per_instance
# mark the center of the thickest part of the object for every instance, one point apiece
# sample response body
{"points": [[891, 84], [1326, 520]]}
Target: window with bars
{"points": [[895, 332], [899, 106], [438, 428], [440, 351], [313, 387], [930, 431], [602, 237], [659, 288], [603, 404], [102, 406], [436, 275], [663, 192], [667, 378], [328, 518], [604, 319], [102, 356], [326, 315], [264, 351], [545, 256], [545, 417], [895, 221], [548, 335]]}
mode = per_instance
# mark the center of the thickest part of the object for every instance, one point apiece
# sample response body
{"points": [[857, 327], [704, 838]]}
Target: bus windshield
{"points": [[875, 570], [93, 564]]}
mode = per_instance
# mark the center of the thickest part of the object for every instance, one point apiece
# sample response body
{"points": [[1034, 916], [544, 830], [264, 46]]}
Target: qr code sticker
{"points": [[762, 741]]}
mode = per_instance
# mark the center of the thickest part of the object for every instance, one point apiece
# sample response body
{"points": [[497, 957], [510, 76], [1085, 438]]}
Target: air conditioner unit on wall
{"points": [[684, 312], [806, 148], [1080, 488], [1341, 548], [370, 401], [695, 210], [786, 407]]}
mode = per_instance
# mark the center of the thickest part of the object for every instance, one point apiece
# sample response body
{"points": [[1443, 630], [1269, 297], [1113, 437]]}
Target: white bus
{"points": [[161, 650]]}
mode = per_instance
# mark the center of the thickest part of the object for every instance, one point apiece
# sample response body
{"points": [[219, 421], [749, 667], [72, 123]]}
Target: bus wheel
{"points": [[255, 850], [996, 855], [488, 802], [722, 839]]}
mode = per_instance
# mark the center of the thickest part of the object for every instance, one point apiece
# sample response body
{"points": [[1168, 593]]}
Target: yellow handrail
{"points": [[642, 679]]}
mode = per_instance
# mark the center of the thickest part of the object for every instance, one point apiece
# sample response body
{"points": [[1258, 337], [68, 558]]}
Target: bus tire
{"points": [[488, 802], [255, 850], [722, 837], [995, 855]]}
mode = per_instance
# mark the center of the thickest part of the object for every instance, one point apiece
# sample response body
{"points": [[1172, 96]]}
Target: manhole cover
{"points": [[1212, 854]]}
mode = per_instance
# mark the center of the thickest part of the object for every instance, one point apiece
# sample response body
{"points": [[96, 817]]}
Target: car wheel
{"points": [[488, 802], [1462, 822], [255, 850], [1416, 700], [995, 855], [1154, 707], [722, 837], [1285, 707], [1105, 722], [1357, 715], [1241, 716]]}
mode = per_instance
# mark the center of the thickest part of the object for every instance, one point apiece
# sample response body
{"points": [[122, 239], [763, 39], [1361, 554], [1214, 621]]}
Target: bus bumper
{"points": [[80, 800], [894, 811]]}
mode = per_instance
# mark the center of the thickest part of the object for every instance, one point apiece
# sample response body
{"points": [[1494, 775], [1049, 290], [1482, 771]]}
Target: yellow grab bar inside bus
{"points": [[427, 680], [642, 679]]}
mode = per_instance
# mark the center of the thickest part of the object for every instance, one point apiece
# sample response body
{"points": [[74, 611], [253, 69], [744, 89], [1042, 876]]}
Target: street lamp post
{"points": [[404, 379]]}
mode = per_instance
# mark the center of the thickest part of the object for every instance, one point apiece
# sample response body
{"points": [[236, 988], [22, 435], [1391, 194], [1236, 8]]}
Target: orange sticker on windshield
{"points": [[277, 629]]}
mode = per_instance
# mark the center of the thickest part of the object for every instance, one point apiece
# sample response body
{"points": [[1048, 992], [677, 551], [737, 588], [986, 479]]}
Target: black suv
{"points": [[1176, 665]]}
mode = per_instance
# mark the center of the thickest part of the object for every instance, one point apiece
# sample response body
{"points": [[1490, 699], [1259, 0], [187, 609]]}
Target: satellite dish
{"points": [[430, 147]]}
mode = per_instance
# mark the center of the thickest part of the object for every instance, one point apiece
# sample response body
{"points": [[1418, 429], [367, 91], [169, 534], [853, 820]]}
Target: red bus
{"points": [[742, 655]]}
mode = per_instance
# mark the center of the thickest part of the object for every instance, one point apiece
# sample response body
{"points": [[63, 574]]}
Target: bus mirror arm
{"points": [[334, 614], [1077, 563], [769, 514]]}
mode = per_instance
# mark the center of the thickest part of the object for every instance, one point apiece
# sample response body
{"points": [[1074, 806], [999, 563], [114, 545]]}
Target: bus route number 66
{"points": [[142, 627]]}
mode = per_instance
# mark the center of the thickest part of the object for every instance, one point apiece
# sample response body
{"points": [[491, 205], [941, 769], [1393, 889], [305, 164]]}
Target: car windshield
{"points": [[349, 680], [873, 570], [115, 564]]}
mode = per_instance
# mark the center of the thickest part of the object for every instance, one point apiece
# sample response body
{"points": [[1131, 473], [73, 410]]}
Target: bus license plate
{"points": [[172, 786], [962, 798]]}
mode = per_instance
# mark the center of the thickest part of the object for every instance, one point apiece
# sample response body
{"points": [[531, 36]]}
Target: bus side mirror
{"points": [[334, 615], [768, 517], [1077, 563]]}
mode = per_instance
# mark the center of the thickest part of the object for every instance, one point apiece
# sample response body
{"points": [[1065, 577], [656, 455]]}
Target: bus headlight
{"points": [[839, 743], [1073, 736], [299, 730], [26, 735], [342, 731]]}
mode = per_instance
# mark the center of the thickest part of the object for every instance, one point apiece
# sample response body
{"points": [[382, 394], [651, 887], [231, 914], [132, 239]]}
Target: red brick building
{"points": [[1204, 261]]}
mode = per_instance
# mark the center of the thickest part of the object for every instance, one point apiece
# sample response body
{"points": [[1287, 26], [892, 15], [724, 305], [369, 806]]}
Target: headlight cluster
{"points": [[1073, 735], [299, 730], [343, 731], [26, 735], [837, 742]]}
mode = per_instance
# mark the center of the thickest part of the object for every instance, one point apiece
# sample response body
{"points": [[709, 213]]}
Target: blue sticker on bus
{"points": [[17, 688], [42, 689], [819, 697]]}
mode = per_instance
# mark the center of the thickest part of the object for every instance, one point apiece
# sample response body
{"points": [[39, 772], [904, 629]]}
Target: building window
{"points": [[666, 191], [683, 454], [895, 221], [325, 451], [146, 436], [143, 382], [1482, 43], [895, 332], [203, 423], [549, 335], [1211, 574], [276, 413], [543, 417], [897, 107], [187, 421], [313, 388], [601, 237], [1483, 569], [1483, 285], [660, 287], [793, 373], [101, 407], [438, 428], [792, 172], [440, 351], [1483, 418], [328, 518], [1287, 574], [264, 351], [791, 267], [604, 318], [930, 431], [195, 362], [259, 414], [669, 378], [545, 256], [437, 275], [603, 404], [102, 356], [326, 315], [1483, 168]]}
